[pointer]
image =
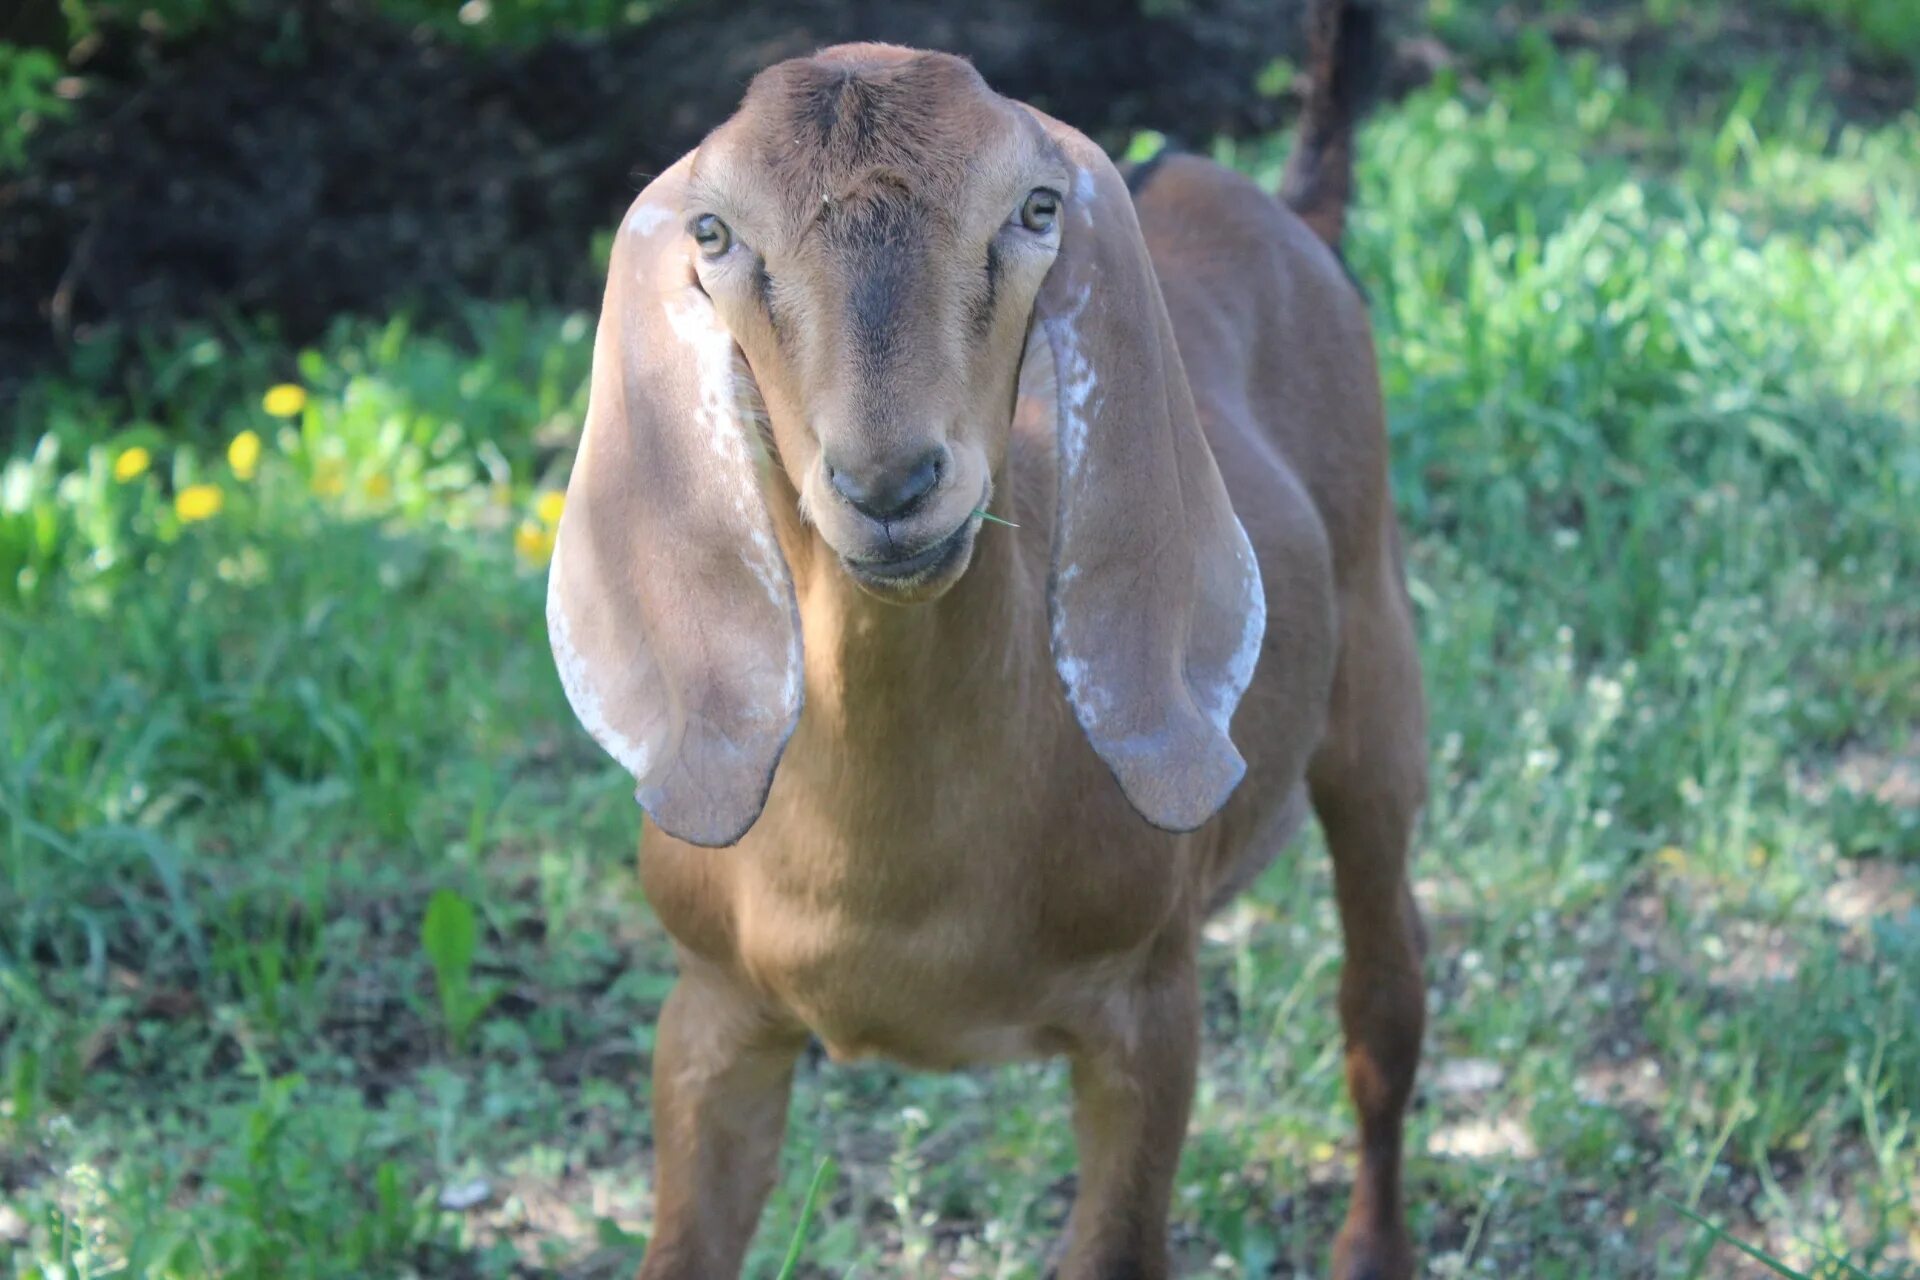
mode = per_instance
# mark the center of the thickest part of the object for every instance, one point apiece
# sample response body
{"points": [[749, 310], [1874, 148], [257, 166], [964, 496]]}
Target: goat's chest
{"points": [[943, 986], [940, 955]]}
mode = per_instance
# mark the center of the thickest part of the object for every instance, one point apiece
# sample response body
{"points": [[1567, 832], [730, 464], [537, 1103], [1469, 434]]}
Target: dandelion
{"points": [[198, 502], [131, 464], [549, 506], [379, 486], [329, 478], [534, 542], [285, 400], [243, 455]]}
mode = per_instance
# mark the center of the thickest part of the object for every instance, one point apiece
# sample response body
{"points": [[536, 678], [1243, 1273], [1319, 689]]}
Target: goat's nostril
{"points": [[887, 491]]}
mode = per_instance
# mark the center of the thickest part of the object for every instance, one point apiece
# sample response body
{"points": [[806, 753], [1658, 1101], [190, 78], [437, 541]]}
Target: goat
{"points": [[983, 786]]}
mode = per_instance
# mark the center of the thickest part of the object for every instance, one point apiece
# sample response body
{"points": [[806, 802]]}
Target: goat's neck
{"points": [[882, 677]]}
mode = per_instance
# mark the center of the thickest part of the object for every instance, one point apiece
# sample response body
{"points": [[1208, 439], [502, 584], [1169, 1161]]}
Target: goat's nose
{"points": [[888, 490]]}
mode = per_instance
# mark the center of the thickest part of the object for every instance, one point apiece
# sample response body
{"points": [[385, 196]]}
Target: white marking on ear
{"points": [[578, 683], [1088, 699], [728, 403], [1077, 381], [1219, 702], [1077, 384], [647, 219]]}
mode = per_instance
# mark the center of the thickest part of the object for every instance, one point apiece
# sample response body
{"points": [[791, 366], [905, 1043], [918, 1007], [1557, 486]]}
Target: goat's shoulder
{"points": [[1277, 344], [1210, 226]]}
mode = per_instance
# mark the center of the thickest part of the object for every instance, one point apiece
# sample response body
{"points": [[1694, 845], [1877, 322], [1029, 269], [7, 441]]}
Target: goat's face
{"points": [[872, 233]]}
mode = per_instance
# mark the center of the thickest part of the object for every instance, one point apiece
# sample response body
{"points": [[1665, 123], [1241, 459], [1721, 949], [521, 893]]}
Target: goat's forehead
{"points": [[858, 121]]}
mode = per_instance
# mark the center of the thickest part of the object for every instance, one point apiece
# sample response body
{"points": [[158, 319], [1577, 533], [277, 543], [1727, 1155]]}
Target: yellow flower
{"points": [[131, 464], [1673, 858], [243, 455], [198, 502], [285, 400], [549, 506], [534, 542], [329, 477], [379, 486]]}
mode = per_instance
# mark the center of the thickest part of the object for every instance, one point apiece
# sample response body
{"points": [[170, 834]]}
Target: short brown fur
{"points": [[962, 854]]}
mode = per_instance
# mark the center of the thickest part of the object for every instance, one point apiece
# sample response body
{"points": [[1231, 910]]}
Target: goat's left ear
{"points": [[1155, 599]]}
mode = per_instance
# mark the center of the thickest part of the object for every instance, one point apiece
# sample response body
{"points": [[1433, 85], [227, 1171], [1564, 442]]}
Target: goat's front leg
{"points": [[1132, 1088], [722, 1073]]}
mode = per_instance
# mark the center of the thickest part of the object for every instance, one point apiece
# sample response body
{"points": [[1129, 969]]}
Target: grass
{"points": [[321, 952]]}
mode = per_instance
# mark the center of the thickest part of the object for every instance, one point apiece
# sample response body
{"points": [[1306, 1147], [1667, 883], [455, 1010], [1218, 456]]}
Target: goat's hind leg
{"points": [[722, 1074], [1368, 782]]}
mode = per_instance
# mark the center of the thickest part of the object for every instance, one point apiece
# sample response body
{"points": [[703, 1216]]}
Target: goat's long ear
{"points": [[669, 604], [1155, 598]]}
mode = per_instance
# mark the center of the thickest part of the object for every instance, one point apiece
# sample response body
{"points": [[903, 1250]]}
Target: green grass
{"points": [[1655, 398]]}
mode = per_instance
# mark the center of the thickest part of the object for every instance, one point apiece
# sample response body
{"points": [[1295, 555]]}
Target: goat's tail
{"points": [[1344, 54]]}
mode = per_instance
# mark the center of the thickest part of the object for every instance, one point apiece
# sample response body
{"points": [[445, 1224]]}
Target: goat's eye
{"points": [[1038, 213], [711, 235]]}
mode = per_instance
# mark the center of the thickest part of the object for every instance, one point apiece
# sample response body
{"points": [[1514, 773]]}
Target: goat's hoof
{"points": [[1372, 1255]]}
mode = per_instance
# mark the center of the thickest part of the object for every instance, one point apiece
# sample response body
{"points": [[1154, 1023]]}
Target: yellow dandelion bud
{"points": [[549, 506], [131, 464], [243, 455], [329, 478], [379, 486], [198, 502], [534, 542], [285, 400]]}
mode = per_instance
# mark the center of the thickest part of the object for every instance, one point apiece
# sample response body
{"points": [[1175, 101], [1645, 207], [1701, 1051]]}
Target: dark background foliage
{"points": [[306, 159]]}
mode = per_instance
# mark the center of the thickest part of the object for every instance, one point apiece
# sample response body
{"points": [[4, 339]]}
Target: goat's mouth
{"points": [[922, 574]]}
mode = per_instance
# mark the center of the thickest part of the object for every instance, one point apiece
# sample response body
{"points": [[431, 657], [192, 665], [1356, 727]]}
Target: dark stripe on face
{"points": [[844, 112], [820, 104], [880, 244], [763, 290], [983, 309]]}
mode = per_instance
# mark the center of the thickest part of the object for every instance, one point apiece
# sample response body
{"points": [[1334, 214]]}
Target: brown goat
{"points": [[982, 787]]}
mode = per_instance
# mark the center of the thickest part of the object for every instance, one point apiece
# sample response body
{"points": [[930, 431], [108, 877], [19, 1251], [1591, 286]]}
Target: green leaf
{"points": [[449, 934], [821, 1176], [1720, 1233]]}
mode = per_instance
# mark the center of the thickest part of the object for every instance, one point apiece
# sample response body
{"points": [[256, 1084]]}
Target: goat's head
{"points": [[872, 228], [877, 256]]}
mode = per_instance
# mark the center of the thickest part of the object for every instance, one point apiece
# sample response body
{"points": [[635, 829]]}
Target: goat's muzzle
{"points": [[904, 533], [919, 575]]}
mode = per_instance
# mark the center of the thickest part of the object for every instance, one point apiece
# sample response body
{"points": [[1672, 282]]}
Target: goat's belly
{"points": [[939, 996]]}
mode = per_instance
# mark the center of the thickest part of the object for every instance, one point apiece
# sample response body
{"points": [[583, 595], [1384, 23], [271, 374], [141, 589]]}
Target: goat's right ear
{"points": [[669, 604]]}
